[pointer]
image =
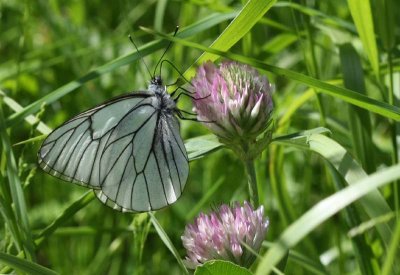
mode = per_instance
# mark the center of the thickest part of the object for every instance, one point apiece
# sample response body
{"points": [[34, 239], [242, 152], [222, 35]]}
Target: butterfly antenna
{"points": [[176, 69], [166, 49], [140, 54]]}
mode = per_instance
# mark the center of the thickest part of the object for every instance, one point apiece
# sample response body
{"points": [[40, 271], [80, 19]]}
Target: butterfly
{"points": [[128, 150]]}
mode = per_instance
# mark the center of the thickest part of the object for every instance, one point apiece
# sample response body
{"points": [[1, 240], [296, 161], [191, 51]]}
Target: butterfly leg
{"points": [[181, 116], [186, 93]]}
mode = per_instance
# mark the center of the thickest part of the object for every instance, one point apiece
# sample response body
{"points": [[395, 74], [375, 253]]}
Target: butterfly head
{"points": [[156, 80], [156, 86]]}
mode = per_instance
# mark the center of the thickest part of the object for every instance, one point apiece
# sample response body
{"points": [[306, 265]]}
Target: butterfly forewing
{"points": [[128, 149]]}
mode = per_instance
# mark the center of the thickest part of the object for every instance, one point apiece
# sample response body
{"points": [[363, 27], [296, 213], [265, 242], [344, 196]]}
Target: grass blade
{"points": [[347, 95], [65, 216], [15, 187], [242, 24], [32, 120], [391, 255], [24, 265], [112, 65], [316, 14], [386, 23], [323, 211], [374, 204], [167, 241], [359, 119], [361, 12]]}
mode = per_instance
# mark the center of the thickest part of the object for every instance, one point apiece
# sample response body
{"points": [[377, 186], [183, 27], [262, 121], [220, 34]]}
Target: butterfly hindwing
{"points": [[154, 181], [126, 149]]}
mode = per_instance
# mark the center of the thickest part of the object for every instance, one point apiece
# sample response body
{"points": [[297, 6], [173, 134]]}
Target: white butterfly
{"points": [[128, 150]]}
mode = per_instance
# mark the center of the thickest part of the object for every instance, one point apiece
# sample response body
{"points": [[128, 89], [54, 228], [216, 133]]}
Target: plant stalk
{"points": [[252, 182]]}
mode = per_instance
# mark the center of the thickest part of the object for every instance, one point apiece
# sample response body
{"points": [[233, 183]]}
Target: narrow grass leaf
{"points": [[294, 106], [24, 265], [9, 219], [373, 203], [65, 216], [364, 227], [361, 12], [359, 119], [392, 253], [352, 217], [316, 14], [160, 14], [347, 95], [112, 65], [386, 23], [280, 42], [11, 69], [31, 140], [32, 120], [323, 211], [167, 241], [313, 266], [242, 24], [300, 139], [15, 187], [204, 199]]}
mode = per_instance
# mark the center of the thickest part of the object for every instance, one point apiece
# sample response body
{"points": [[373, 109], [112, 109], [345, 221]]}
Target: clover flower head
{"points": [[223, 233], [233, 100]]}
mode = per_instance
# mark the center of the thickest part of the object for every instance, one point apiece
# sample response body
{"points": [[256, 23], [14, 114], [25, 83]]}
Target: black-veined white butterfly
{"points": [[128, 150]]}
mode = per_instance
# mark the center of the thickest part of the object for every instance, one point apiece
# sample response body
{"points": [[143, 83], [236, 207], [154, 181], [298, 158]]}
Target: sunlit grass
{"points": [[335, 66]]}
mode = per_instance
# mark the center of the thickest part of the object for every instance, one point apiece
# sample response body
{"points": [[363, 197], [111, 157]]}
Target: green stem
{"points": [[395, 133], [252, 182]]}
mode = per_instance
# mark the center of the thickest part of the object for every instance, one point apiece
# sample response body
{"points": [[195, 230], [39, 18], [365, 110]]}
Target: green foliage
{"points": [[221, 267], [24, 265], [328, 180]]}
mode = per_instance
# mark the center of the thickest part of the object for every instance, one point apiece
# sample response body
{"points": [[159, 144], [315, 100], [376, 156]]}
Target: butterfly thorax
{"points": [[165, 102]]}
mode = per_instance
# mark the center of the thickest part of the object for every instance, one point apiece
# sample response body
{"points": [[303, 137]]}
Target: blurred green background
{"points": [[48, 46]]}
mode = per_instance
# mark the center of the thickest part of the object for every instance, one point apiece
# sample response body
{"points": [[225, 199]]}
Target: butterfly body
{"points": [[165, 104], [128, 150]]}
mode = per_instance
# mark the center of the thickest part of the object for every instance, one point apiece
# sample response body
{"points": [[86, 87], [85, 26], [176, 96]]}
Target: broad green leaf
{"points": [[198, 147], [361, 12], [323, 211], [25, 266], [218, 267]]}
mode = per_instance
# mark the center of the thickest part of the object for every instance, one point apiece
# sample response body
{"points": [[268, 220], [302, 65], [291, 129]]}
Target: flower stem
{"points": [[252, 182]]}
